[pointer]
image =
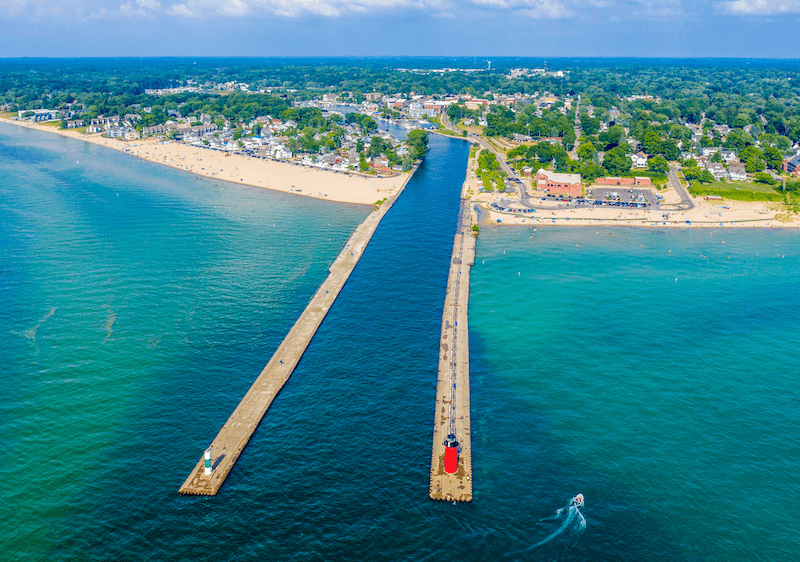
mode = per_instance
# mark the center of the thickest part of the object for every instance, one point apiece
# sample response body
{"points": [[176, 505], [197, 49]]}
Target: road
{"points": [[524, 197], [686, 203], [523, 189], [574, 152]]}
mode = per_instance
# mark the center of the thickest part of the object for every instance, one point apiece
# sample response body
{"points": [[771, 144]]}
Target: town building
{"points": [[635, 181], [41, 115], [556, 183]]}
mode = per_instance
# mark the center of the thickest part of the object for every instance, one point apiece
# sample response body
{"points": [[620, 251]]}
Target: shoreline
{"points": [[705, 214], [745, 216], [340, 187]]}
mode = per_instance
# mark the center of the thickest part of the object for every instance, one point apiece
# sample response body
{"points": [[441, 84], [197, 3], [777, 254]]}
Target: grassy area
{"points": [[473, 150], [737, 191], [740, 186], [499, 149], [53, 124], [436, 121], [790, 210]]}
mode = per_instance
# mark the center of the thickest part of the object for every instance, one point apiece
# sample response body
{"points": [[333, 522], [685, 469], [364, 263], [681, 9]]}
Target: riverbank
{"points": [[310, 182]]}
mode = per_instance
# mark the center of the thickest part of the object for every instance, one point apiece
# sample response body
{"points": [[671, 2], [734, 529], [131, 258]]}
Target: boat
{"points": [[577, 501]]}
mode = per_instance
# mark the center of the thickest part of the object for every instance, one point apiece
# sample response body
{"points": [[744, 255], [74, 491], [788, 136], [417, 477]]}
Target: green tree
{"points": [[544, 150], [763, 177], [783, 142], [658, 164], [591, 171], [418, 143], [651, 143], [698, 174], [568, 139], [617, 162], [612, 137], [590, 125], [377, 146], [586, 151], [773, 158], [754, 164]]}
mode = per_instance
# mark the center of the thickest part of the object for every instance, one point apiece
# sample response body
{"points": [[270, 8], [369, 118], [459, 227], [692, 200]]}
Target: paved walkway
{"points": [[452, 391]]}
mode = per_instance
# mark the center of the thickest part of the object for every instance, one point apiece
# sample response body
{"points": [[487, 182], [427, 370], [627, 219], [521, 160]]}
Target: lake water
{"points": [[138, 303]]}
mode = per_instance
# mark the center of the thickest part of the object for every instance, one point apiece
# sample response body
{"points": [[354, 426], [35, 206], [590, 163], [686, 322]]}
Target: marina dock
{"points": [[450, 481], [212, 470]]}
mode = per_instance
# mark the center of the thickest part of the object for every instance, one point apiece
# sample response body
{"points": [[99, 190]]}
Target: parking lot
{"points": [[624, 195]]}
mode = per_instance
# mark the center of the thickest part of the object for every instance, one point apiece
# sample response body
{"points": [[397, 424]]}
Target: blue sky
{"points": [[535, 28]]}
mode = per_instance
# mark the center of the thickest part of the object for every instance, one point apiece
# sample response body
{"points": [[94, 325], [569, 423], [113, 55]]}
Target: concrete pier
{"points": [[235, 434], [452, 391]]}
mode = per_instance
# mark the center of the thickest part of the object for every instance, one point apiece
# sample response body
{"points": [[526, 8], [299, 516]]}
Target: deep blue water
{"points": [[672, 405]]}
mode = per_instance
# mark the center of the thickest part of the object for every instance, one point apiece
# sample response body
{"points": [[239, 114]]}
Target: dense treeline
{"points": [[763, 95]]}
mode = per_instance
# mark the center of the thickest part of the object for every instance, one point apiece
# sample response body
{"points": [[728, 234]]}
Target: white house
{"points": [[737, 173], [639, 160], [717, 170], [280, 152]]}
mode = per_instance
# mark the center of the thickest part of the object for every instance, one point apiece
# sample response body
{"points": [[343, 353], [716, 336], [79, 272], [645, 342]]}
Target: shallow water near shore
{"points": [[135, 323]]}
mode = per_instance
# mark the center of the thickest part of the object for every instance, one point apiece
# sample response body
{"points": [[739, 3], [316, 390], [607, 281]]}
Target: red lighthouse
{"points": [[451, 454]]}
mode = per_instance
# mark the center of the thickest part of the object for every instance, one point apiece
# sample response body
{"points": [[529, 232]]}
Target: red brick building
{"points": [[555, 183]]}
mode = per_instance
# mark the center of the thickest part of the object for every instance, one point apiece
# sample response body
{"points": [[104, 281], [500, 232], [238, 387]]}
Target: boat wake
{"points": [[568, 523]]}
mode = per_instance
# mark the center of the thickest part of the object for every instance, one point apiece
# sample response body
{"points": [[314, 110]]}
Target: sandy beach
{"points": [[739, 214], [280, 176], [706, 214]]}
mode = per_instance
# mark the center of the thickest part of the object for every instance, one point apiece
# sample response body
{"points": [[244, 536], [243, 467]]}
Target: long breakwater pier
{"points": [[218, 460], [451, 460]]}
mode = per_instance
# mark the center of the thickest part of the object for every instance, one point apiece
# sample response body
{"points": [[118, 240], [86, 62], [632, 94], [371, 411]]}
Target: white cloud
{"points": [[140, 9], [337, 8], [233, 8], [471, 9], [531, 8], [625, 9], [759, 7], [188, 10]]}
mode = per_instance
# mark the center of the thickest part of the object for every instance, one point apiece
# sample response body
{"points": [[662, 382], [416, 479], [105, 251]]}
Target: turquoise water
{"points": [[654, 371], [138, 303]]}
